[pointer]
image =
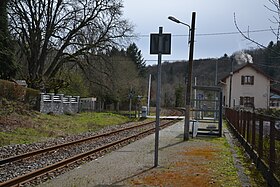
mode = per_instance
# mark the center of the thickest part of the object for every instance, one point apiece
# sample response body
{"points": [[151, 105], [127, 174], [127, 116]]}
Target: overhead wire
{"points": [[212, 34], [215, 33]]}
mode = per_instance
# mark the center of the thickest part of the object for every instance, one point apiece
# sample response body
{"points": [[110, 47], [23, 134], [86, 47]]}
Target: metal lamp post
{"points": [[189, 85], [230, 83]]}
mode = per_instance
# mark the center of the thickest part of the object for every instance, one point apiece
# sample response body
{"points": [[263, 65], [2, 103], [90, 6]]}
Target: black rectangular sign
{"points": [[166, 44]]}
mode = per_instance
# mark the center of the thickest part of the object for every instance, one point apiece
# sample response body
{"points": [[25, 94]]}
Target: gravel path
{"points": [[133, 164]]}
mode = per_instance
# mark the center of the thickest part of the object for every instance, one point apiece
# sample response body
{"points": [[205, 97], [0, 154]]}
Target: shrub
{"points": [[32, 97], [13, 92]]}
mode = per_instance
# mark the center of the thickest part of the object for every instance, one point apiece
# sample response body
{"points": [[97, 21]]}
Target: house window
{"points": [[274, 104], [247, 101], [247, 80]]}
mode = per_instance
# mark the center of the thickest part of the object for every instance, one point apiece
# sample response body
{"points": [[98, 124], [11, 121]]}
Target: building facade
{"points": [[246, 87]]}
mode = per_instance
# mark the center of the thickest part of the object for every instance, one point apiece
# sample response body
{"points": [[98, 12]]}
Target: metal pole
{"points": [[195, 97], [230, 87], [129, 107], [158, 97], [130, 101], [220, 113], [195, 92], [216, 97], [216, 76], [230, 84], [189, 85], [149, 95]]}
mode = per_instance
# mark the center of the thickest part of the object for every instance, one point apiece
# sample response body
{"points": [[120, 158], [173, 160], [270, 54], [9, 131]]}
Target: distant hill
{"points": [[205, 71]]}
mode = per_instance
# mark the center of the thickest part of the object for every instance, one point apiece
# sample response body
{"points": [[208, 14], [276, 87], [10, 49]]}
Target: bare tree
{"points": [[54, 32], [276, 17], [275, 21], [270, 54]]}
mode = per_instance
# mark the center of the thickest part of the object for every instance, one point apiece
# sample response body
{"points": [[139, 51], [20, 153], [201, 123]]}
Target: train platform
{"points": [[181, 163]]}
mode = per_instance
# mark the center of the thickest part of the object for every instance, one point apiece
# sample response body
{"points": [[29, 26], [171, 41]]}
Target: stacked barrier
{"points": [[59, 104]]}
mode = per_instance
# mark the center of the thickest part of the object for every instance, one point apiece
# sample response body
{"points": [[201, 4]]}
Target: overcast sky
{"points": [[212, 17]]}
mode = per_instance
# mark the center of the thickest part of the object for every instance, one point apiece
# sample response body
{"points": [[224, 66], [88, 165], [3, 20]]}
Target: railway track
{"points": [[52, 161]]}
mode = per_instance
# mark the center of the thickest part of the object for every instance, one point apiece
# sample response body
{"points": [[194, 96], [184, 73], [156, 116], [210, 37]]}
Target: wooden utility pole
{"points": [[189, 84]]}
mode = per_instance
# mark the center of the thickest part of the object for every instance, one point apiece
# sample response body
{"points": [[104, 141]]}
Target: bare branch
{"points": [[245, 36], [71, 28]]}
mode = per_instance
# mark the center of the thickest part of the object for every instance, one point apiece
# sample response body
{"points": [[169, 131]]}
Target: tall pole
{"points": [[130, 101], [158, 97], [149, 95], [216, 76], [189, 85], [230, 83]]}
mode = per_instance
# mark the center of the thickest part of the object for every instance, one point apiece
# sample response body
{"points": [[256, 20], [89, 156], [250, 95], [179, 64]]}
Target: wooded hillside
{"points": [[208, 71]]}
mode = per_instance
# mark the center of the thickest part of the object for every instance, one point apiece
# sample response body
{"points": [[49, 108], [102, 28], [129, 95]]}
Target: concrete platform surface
{"points": [[122, 164], [123, 167]]}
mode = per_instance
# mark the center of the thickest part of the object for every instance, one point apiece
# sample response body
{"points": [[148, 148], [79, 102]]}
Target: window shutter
{"points": [[241, 101], [242, 80], [252, 77], [252, 100]]}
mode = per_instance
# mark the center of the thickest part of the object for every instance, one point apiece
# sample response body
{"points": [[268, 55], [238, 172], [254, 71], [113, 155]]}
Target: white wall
{"points": [[260, 90]]}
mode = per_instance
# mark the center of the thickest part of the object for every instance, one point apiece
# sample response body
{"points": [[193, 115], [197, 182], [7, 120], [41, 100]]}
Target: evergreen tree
{"points": [[135, 54], [7, 63], [272, 55], [179, 100]]}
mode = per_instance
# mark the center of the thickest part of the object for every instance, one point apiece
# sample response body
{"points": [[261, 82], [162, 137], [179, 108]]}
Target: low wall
{"points": [[87, 104], [59, 104]]}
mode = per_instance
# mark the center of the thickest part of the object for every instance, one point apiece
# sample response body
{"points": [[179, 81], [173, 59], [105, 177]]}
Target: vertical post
{"points": [[272, 153], [130, 101], [216, 95], [149, 95], [221, 114], [230, 87], [195, 92], [189, 85], [260, 142], [248, 127], [158, 97], [254, 130], [230, 84], [216, 76]]}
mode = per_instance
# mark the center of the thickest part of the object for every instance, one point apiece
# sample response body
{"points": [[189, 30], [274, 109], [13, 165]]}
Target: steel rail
{"points": [[33, 153], [29, 176]]}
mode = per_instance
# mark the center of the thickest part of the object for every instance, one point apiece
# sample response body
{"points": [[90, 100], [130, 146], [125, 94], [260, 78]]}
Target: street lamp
{"points": [[189, 85], [178, 21]]}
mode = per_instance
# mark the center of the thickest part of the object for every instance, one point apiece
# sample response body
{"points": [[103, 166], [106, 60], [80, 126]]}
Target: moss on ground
{"points": [[223, 168], [207, 163]]}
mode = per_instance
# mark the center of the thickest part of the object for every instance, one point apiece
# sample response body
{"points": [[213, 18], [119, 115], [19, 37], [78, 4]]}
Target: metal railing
{"points": [[260, 136]]}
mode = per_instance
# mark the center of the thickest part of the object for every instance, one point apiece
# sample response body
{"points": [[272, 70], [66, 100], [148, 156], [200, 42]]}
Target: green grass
{"points": [[224, 170], [45, 126], [256, 178], [250, 170]]}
